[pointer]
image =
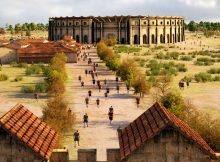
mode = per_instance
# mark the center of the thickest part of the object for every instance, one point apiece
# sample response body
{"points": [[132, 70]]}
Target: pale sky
{"points": [[13, 11]]}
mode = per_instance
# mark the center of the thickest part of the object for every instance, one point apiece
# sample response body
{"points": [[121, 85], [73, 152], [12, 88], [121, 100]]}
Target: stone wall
{"points": [[7, 55], [168, 146], [12, 150], [59, 155]]}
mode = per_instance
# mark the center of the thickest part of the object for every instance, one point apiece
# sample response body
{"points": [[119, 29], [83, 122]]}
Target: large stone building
{"points": [[126, 29]]}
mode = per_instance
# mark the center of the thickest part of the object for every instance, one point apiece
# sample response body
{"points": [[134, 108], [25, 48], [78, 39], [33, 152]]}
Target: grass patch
{"points": [[3, 77]]}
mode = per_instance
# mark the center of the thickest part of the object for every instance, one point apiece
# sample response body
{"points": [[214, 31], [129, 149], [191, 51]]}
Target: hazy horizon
{"points": [[39, 11]]}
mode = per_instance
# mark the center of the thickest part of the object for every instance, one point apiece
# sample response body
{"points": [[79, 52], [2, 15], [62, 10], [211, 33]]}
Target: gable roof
{"points": [[150, 124], [28, 128]]}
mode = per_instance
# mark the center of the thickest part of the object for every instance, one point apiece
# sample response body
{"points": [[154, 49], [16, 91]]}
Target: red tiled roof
{"points": [[45, 50], [28, 128], [150, 124]]}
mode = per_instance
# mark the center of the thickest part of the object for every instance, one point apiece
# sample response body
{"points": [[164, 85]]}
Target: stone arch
{"points": [[85, 39], [168, 38], [144, 39], [153, 39], [77, 38], [136, 39], [161, 38], [122, 40]]}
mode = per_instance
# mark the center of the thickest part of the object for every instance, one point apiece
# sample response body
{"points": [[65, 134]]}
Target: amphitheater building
{"points": [[126, 29]]}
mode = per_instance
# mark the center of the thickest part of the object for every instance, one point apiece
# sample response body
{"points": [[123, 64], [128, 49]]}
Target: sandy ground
{"points": [[100, 134]]}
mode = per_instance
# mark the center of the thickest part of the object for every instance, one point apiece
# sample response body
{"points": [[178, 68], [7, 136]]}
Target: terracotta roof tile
{"points": [[28, 128], [150, 124]]}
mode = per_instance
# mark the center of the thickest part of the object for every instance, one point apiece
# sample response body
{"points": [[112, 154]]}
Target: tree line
{"points": [[206, 27], [18, 27]]}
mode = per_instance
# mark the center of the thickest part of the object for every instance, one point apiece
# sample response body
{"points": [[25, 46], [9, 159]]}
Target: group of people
{"points": [[86, 124], [182, 85]]}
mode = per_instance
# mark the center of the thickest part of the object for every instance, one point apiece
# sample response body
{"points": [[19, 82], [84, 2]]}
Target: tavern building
{"points": [[126, 29]]}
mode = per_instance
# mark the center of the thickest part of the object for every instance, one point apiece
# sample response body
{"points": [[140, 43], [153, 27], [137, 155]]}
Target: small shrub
{"points": [[187, 78], [41, 87], [14, 64], [204, 62], [181, 67], [22, 65], [3, 77], [202, 77], [18, 78], [33, 69], [186, 58], [216, 78], [27, 89], [214, 71]]}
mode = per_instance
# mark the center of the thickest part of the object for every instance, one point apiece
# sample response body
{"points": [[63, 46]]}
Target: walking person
{"points": [[127, 87], [93, 81], [82, 84], [90, 93], [85, 120], [137, 101], [111, 109], [187, 84], [107, 90], [106, 95], [86, 72], [100, 87], [116, 79], [98, 82], [105, 82], [76, 138], [80, 78], [117, 87], [97, 102], [110, 116], [87, 101]]}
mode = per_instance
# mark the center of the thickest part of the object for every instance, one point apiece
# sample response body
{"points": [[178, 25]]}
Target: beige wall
{"points": [[7, 55], [12, 150]]}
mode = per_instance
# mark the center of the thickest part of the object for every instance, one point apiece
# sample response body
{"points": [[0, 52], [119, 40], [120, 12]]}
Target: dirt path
{"points": [[100, 134]]}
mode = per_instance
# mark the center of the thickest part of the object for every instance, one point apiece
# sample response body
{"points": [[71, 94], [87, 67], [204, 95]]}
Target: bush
{"points": [[216, 78], [168, 56], [3, 77], [33, 69], [18, 78], [186, 58], [27, 89], [214, 71], [187, 78], [22, 65], [202, 77], [41, 87], [14, 64], [181, 67], [204, 62]]}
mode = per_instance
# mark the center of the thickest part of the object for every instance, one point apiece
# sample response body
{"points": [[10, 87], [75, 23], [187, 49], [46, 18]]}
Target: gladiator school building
{"points": [[126, 29]]}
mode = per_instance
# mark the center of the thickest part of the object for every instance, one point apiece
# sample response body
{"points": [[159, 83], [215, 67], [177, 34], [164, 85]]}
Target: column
{"points": [[140, 33]]}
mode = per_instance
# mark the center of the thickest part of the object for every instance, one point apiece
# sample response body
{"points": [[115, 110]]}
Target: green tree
{"points": [[192, 26]]}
